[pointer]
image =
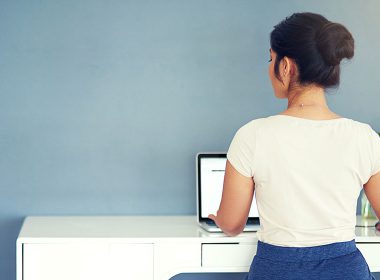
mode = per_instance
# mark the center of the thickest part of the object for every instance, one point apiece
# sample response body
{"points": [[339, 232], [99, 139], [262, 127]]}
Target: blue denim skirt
{"points": [[335, 261]]}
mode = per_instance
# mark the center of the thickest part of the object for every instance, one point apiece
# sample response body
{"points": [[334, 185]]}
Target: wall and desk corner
{"points": [[140, 248]]}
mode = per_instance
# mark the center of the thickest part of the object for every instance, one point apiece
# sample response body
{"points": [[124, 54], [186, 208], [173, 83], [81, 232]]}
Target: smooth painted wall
{"points": [[104, 104]]}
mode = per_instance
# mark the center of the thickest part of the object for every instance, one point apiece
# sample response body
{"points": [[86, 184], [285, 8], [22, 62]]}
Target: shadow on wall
{"points": [[9, 230]]}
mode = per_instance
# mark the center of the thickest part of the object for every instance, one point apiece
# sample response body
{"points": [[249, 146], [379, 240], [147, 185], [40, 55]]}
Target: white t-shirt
{"points": [[308, 175]]}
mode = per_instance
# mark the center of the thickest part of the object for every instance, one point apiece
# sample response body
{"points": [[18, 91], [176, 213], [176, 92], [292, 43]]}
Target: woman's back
{"points": [[308, 175]]}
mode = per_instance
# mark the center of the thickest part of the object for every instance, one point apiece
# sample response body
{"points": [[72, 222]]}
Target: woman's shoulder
{"points": [[254, 124], [284, 124], [281, 118], [252, 127], [261, 122]]}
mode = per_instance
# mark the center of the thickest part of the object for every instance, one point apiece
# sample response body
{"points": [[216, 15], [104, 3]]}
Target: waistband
{"points": [[296, 254]]}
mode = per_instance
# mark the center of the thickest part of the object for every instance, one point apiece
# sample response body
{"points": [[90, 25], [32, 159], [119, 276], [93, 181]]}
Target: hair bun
{"points": [[334, 43]]}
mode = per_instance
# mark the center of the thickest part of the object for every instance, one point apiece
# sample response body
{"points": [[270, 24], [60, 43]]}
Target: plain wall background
{"points": [[104, 104]]}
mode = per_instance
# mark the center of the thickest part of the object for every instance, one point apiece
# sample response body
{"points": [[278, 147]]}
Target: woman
{"points": [[307, 164]]}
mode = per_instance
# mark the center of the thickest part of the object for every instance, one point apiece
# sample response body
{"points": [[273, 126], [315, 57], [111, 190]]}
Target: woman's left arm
{"points": [[236, 201]]}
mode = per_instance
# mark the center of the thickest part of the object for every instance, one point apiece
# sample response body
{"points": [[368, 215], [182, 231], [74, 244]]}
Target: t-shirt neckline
{"points": [[311, 120]]}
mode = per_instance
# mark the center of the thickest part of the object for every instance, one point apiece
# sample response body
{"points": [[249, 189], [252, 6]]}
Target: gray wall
{"points": [[103, 104]]}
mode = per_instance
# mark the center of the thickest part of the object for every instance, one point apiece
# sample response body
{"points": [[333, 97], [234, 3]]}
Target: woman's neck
{"points": [[309, 96], [309, 102]]}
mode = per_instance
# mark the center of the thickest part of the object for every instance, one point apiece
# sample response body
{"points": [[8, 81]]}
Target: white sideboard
{"points": [[139, 248]]}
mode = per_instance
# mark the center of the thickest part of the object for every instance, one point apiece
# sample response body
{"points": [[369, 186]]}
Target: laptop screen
{"points": [[211, 169]]}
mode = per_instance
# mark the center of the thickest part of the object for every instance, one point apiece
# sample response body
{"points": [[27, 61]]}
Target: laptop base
{"points": [[214, 228]]}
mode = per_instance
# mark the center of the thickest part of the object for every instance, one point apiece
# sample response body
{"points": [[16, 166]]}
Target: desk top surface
{"points": [[45, 228]]}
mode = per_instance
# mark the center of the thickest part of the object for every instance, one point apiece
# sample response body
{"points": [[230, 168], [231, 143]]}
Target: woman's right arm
{"points": [[372, 191]]}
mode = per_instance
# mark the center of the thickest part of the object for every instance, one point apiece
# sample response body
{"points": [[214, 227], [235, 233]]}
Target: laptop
{"points": [[210, 169]]}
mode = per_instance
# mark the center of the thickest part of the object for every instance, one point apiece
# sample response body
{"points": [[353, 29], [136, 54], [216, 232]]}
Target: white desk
{"points": [[139, 247]]}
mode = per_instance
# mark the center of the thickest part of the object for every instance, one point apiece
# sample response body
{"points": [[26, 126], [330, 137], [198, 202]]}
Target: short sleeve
{"points": [[375, 146], [241, 151]]}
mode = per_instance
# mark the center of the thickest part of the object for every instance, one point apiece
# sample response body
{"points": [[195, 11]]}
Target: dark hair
{"points": [[316, 44]]}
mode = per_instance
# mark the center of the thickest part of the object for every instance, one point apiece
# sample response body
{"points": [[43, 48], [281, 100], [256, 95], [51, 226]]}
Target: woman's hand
{"points": [[214, 218]]}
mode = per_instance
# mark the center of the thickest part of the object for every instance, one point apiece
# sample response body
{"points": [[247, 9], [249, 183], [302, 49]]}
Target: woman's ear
{"points": [[286, 72]]}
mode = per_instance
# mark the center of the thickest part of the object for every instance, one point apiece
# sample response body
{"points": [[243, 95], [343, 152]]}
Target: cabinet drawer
{"points": [[87, 261], [371, 252], [216, 255]]}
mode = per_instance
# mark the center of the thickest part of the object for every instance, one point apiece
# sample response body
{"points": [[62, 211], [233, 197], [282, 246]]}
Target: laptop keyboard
{"points": [[210, 222]]}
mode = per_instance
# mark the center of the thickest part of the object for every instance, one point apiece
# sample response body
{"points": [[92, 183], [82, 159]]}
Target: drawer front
{"points": [[87, 261], [225, 255], [371, 252]]}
